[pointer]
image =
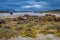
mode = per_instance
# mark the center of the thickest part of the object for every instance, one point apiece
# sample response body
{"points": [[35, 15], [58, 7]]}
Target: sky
{"points": [[29, 5]]}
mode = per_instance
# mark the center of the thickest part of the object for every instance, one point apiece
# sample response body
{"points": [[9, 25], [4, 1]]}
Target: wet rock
{"points": [[49, 17], [57, 18], [26, 15], [7, 27], [11, 13], [22, 18], [2, 21], [19, 28]]}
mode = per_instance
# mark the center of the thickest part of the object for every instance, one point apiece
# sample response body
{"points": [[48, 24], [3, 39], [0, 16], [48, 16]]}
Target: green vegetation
{"points": [[29, 26]]}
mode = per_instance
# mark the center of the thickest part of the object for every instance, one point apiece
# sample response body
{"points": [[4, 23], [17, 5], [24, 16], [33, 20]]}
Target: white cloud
{"points": [[27, 6], [37, 5], [34, 4]]}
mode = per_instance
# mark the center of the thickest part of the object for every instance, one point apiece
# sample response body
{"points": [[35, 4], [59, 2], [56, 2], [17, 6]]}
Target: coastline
{"points": [[14, 15], [15, 25]]}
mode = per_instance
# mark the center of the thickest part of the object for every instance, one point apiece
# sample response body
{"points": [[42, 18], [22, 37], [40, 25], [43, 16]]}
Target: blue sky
{"points": [[29, 5]]}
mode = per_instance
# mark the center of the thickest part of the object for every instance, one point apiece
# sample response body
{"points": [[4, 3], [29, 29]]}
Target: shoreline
{"points": [[21, 26], [14, 15]]}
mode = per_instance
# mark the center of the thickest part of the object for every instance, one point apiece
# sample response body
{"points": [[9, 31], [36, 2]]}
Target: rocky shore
{"points": [[29, 26]]}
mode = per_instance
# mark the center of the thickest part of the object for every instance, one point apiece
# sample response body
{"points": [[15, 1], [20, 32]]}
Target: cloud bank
{"points": [[33, 5]]}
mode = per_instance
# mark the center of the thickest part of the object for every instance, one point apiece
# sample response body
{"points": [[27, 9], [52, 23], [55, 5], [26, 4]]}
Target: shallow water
{"points": [[21, 14]]}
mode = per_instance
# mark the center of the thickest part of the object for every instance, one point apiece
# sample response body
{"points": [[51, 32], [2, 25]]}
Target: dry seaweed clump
{"points": [[28, 33], [29, 26]]}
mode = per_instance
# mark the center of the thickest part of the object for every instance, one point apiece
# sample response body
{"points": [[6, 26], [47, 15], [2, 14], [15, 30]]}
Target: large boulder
{"points": [[22, 18], [49, 17], [26, 15]]}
